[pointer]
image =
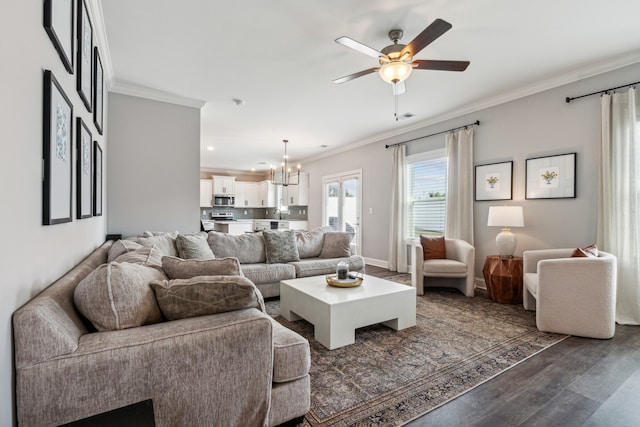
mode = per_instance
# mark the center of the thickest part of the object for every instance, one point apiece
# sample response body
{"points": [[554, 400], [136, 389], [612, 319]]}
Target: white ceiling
{"points": [[279, 56]]}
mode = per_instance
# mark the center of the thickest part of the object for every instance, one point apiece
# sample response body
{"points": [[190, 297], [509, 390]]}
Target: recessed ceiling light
{"points": [[324, 146], [239, 102], [210, 148], [262, 163], [253, 169], [406, 116]]}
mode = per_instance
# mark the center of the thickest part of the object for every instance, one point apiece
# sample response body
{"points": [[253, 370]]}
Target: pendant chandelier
{"points": [[285, 176]]}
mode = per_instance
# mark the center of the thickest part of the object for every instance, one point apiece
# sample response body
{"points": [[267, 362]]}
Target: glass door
{"points": [[342, 204]]}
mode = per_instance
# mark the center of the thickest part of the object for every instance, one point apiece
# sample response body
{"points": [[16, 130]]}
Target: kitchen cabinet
{"points": [[247, 194], [235, 228], [206, 192], [267, 195], [223, 185], [296, 195], [298, 225]]}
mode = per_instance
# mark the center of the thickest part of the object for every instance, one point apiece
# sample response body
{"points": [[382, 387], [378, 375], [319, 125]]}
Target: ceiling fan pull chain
{"points": [[396, 111]]}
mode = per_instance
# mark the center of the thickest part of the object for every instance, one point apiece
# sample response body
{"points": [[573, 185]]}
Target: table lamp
{"points": [[505, 217]]}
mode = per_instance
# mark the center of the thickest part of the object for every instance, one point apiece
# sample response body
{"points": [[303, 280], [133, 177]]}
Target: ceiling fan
{"points": [[396, 60]]}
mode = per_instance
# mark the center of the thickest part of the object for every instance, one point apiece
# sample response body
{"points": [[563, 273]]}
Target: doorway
{"points": [[342, 204]]}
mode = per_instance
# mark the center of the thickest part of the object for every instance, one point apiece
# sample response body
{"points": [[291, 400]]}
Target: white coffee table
{"points": [[337, 312]]}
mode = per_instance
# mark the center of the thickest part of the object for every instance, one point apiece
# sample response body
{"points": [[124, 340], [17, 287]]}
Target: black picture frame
{"points": [[494, 181], [97, 179], [57, 153], [98, 91], [58, 23], [84, 175], [85, 54], [551, 177]]}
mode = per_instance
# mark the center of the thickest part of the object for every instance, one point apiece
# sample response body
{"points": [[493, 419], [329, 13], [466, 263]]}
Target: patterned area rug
{"points": [[389, 377]]}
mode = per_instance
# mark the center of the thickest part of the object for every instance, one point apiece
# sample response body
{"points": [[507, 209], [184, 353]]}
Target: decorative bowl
{"points": [[347, 283]]}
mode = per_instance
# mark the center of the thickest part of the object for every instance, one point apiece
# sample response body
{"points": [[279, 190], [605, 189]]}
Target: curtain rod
{"points": [[476, 123], [568, 100]]}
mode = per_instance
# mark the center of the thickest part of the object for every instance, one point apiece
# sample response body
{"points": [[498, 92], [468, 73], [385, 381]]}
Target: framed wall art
{"points": [[551, 177], [84, 208], [98, 90], [97, 179], [57, 153], [58, 22], [85, 54], [494, 181]]}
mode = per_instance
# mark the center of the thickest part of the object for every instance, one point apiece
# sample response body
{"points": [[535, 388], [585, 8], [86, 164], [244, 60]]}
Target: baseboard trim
{"points": [[480, 283], [376, 262]]}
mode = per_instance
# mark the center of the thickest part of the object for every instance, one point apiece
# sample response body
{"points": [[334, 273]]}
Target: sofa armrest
{"points": [[216, 367], [417, 266], [530, 259], [461, 250]]}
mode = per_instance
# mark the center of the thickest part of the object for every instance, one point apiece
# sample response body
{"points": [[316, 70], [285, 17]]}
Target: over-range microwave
{"points": [[228, 201]]}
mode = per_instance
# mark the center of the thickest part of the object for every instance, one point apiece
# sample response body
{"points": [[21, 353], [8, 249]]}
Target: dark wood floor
{"points": [[578, 382]]}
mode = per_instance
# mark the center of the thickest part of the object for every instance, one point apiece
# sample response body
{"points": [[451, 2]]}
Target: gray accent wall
{"points": [[32, 256], [153, 166], [537, 125]]}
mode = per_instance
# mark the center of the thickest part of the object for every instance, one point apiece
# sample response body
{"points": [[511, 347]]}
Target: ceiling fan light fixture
{"points": [[395, 72]]}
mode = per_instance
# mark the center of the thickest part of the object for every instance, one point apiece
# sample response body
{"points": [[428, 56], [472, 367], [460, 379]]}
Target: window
{"points": [[426, 188]]}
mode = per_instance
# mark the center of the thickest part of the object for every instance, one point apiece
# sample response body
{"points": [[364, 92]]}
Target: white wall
{"points": [[32, 255], [537, 125], [154, 165]]}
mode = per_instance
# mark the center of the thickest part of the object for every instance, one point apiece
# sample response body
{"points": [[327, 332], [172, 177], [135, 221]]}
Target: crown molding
{"points": [[532, 89], [157, 95]]}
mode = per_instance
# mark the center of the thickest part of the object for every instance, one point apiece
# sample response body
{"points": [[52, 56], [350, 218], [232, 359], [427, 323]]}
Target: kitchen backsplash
{"points": [[295, 213]]}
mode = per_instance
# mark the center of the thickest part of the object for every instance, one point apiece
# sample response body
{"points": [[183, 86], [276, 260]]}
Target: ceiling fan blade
{"points": [[356, 75], [426, 64], [369, 51], [399, 88], [427, 36]]}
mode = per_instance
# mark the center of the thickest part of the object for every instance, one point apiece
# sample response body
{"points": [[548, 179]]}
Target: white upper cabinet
{"points": [[296, 195], [247, 194], [223, 185], [206, 192], [267, 195]]}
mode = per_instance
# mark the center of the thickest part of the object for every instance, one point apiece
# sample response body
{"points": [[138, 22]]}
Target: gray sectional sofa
{"points": [[233, 368], [319, 251]]}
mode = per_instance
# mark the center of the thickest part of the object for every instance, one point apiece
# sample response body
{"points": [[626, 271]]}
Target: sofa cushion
{"points": [[291, 355], [118, 296], [588, 252], [268, 273], [337, 244], [280, 246], [177, 268], [321, 266], [144, 256], [310, 242], [433, 247], [121, 247], [165, 242], [248, 248], [203, 295], [193, 246]]}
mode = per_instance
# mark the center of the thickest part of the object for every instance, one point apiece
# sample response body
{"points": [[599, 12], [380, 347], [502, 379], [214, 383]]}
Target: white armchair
{"points": [[574, 296], [458, 268]]}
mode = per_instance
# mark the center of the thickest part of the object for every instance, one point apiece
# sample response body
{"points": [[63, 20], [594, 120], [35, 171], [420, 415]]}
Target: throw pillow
{"points": [[590, 251], [280, 246], [121, 247], [337, 244], [310, 242], [202, 295], [248, 247], [194, 246], [433, 247], [176, 268], [144, 256], [165, 242], [118, 296]]}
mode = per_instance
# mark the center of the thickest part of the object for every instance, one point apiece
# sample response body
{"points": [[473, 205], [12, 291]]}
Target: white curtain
{"points": [[459, 199], [619, 197], [397, 231]]}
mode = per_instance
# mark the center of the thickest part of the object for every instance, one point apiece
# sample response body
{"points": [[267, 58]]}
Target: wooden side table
{"points": [[503, 277]]}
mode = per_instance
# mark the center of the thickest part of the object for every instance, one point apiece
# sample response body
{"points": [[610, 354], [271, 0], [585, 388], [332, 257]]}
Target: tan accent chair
{"points": [[574, 296], [458, 268]]}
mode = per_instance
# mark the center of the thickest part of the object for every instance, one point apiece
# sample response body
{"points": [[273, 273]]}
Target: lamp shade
{"points": [[395, 72], [505, 216]]}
